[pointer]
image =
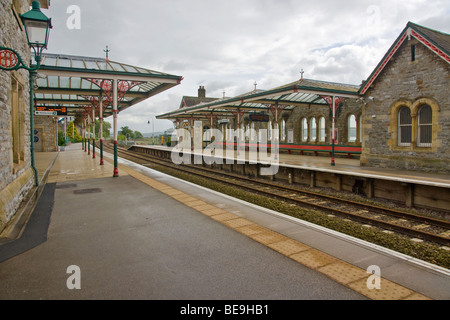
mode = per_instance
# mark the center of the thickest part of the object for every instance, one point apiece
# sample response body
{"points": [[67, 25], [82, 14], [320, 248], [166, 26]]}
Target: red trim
{"points": [[431, 46]]}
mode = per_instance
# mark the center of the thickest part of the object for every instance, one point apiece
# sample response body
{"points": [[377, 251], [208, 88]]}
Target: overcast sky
{"points": [[229, 45]]}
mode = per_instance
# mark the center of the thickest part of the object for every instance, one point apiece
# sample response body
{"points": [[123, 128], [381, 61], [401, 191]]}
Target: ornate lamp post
{"points": [[37, 27]]}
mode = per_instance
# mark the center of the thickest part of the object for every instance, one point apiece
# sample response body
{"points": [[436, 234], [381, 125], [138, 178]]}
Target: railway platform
{"points": [[146, 235], [343, 165], [408, 187]]}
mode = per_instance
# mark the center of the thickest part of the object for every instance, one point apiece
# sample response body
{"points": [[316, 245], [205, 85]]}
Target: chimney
{"points": [[201, 92]]}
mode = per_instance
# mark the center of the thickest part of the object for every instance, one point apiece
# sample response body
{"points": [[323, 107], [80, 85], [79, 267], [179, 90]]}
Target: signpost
{"points": [[61, 111], [258, 117], [46, 113]]}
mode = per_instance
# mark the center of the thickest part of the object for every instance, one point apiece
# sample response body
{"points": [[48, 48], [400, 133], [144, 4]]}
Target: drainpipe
{"points": [[33, 165]]}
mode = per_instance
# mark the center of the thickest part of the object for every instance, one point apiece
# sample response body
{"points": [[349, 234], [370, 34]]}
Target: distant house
{"points": [[189, 101]]}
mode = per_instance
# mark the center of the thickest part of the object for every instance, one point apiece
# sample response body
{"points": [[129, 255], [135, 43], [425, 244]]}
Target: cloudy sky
{"points": [[229, 45]]}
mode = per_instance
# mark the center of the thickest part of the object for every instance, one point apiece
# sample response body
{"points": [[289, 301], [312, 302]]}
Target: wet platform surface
{"points": [[146, 235]]}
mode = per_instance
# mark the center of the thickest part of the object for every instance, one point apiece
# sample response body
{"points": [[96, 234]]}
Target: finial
{"points": [[107, 51], [302, 72], [255, 85]]}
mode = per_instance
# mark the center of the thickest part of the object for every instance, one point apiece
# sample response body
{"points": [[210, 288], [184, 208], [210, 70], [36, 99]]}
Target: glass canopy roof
{"points": [[303, 92], [65, 80]]}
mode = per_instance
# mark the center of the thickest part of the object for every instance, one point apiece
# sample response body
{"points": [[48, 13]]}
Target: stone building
{"points": [[16, 173], [406, 116], [399, 117]]}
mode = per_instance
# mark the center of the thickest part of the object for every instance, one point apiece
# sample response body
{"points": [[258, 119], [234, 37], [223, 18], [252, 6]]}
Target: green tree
{"points": [[69, 131], [127, 132], [138, 135], [61, 141], [106, 128]]}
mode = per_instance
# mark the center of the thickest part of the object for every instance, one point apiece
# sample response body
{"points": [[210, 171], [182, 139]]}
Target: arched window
{"points": [[269, 131], [304, 130], [283, 130], [253, 135], [404, 127], [313, 129], [360, 129], [425, 126], [322, 135], [351, 128]]}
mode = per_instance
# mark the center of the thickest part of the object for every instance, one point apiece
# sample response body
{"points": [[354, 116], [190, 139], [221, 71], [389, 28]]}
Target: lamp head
{"points": [[37, 28]]}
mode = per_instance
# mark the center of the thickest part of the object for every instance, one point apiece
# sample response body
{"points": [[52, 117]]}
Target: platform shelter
{"points": [[89, 88], [270, 104]]}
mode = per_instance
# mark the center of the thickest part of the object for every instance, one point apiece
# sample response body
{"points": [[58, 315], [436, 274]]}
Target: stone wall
{"points": [[47, 127], [408, 83], [16, 179]]}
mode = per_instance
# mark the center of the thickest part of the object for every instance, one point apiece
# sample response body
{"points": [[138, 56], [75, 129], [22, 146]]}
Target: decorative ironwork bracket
{"points": [[10, 60]]}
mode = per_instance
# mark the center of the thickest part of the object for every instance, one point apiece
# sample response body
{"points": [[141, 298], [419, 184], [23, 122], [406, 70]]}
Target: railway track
{"points": [[412, 225]]}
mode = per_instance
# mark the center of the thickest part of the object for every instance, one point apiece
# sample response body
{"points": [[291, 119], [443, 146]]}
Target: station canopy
{"points": [[303, 92], [70, 81]]}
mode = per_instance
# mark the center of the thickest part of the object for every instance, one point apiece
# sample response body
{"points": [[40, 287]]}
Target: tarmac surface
{"points": [[148, 236]]}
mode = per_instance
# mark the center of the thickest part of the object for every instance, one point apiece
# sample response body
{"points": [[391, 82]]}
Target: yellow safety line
{"points": [[349, 275]]}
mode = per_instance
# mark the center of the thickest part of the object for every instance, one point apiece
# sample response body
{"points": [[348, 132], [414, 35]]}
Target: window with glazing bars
{"points": [[425, 126], [352, 128], [313, 129], [304, 129], [322, 129], [404, 127], [283, 130]]}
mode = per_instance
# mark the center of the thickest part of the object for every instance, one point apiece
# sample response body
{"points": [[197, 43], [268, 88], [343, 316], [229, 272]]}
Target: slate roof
{"points": [[439, 39], [436, 41], [188, 101]]}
